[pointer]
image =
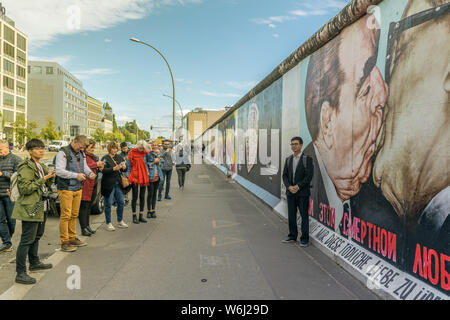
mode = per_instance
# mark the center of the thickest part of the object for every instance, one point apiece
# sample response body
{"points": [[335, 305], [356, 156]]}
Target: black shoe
{"points": [[153, 214], [85, 232], [141, 218], [40, 266], [304, 243], [23, 278], [5, 248], [288, 240], [90, 230], [149, 215], [135, 219]]}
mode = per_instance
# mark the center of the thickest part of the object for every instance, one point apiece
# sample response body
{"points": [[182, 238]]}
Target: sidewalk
{"points": [[214, 240]]}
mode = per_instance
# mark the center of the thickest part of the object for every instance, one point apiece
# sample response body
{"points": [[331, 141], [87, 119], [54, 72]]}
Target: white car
{"points": [[57, 144]]}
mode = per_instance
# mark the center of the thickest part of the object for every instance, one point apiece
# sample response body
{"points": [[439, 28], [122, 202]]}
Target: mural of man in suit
{"points": [[345, 95]]}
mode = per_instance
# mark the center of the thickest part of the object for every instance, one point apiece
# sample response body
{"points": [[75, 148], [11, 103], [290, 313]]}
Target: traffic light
{"points": [[151, 127]]}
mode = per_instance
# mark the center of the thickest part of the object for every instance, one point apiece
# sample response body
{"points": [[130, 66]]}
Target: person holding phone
{"points": [[111, 187], [34, 182], [88, 189]]}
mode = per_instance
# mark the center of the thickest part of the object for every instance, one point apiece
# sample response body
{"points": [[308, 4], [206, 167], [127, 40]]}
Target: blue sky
{"points": [[218, 49]]}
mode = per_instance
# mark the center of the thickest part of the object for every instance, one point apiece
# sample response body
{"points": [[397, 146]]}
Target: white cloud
{"points": [[62, 60], [44, 20], [87, 74], [310, 8], [220, 95], [241, 85], [185, 81], [276, 35], [107, 40]]}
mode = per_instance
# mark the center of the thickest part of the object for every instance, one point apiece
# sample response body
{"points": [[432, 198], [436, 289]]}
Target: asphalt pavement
{"points": [[213, 240]]}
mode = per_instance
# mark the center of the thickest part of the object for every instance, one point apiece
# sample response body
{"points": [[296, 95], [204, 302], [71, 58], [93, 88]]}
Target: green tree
{"points": [[99, 135], [24, 130], [49, 132], [109, 137]]}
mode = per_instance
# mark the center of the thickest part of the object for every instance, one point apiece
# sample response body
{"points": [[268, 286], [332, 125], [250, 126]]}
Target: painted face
{"points": [[350, 130], [412, 165]]}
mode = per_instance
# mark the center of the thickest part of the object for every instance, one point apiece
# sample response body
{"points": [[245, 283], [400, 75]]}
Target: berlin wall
{"points": [[369, 95]]}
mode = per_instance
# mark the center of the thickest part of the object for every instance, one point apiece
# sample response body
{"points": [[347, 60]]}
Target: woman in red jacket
{"points": [[88, 188], [138, 178]]}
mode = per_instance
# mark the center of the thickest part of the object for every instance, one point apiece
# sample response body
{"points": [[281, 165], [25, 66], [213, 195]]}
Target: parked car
{"points": [[57, 144], [98, 205]]}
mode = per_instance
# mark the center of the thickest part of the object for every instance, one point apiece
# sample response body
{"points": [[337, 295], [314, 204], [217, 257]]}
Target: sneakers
{"points": [[303, 244], [141, 218], [110, 227], [160, 197], [67, 247], [24, 278], [153, 214], [288, 240], [5, 248], [168, 198], [122, 224], [77, 243], [40, 266]]}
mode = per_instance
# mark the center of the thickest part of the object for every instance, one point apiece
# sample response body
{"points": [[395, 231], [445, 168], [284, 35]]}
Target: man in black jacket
{"points": [[297, 175], [8, 165]]}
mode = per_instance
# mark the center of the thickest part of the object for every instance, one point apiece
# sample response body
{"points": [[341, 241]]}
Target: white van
{"points": [[57, 144]]}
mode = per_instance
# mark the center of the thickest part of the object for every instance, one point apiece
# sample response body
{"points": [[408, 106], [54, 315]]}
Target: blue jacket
{"points": [[152, 168]]}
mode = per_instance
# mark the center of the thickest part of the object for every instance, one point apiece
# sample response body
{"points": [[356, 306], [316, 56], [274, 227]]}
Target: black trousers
{"points": [[29, 244], [181, 172], [83, 215], [151, 196], [302, 204], [138, 191]]}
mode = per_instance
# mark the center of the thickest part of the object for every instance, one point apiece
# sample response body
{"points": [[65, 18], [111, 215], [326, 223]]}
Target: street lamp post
{"points": [[179, 105], [171, 75]]}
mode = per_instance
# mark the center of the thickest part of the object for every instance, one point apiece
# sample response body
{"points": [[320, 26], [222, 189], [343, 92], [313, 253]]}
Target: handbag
{"points": [[124, 180]]}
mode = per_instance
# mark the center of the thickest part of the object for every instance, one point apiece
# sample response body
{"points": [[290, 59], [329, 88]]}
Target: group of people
{"points": [[76, 174]]}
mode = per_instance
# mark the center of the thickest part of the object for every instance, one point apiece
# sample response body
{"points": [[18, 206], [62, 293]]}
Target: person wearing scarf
{"points": [[138, 178], [88, 187]]}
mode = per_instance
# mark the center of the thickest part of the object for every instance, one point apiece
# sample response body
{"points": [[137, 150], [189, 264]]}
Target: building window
{"points": [[21, 88], [8, 67], [74, 131], [21, 72], [21, 57], [8, 83], [21, 42], [9, 34], [20, 104], [8, 50], [20, 116], [8, 115], [8, 100], [49, 70], [35, 70]]}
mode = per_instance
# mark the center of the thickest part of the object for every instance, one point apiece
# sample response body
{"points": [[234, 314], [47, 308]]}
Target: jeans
{"points": [[181, 172], [151, 196], [69, 202], [7, 225], [167, 177], [116, 194], [137, 190], [29, 244], [302, 204]]}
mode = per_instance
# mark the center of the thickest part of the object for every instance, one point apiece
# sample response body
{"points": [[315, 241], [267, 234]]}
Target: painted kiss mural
{"points": [[380, 142]]}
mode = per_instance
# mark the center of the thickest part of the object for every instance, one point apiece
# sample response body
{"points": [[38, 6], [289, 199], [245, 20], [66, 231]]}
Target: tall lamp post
{"points": [[179, 105], [171, 75]]}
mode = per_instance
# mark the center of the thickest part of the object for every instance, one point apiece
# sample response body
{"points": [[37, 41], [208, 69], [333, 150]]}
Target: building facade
{"points": [[107, 121], [198, 120], [94, 115], [53, 92], [13, 92]]}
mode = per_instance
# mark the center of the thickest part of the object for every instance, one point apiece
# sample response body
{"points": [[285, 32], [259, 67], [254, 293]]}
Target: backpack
{"points": [[14, 193]]}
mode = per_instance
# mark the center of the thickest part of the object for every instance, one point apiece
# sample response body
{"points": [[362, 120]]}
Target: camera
{"points": [[48, 195]]}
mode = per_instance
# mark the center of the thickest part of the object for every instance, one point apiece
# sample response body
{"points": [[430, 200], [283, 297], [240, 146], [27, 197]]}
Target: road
{"points": [[214, 240]]}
